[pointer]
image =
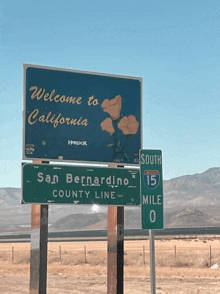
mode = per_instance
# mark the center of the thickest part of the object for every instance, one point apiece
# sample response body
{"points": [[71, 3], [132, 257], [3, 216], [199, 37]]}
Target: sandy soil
{"points": [[97, 284], [187, 272]]}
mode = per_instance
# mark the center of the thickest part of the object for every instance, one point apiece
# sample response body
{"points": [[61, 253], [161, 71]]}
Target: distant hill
{"points": [[191, 217], [192, 200], [194, 190], [97, 221], [79, 221]]}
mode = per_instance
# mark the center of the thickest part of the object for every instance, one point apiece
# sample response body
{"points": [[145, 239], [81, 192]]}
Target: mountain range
{"points": [[189, 201]]}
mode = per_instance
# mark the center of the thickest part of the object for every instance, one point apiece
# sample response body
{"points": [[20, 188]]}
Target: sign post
{"points": [[39, 237], [38, 261], [152, 262], [115, 253], [151, 200]]}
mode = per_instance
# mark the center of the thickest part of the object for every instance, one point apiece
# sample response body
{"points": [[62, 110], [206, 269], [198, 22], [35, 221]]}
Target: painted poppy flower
{"points": [[107, 125], [129, 125], [113, 107]]}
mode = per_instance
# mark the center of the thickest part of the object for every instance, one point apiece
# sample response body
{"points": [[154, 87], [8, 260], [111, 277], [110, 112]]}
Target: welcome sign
{"points": [[81, 116]]}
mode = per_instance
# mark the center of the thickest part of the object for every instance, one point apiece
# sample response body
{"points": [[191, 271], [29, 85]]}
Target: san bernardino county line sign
{"points": [[44, 183], [81, 116], [151, 184]]}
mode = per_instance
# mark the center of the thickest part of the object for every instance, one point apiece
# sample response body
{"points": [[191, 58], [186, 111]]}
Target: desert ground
{"points": [[182, 266]]}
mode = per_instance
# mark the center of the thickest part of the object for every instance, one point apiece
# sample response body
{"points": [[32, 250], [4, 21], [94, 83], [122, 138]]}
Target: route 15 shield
{"points": [[151, 183], [151, 178]]}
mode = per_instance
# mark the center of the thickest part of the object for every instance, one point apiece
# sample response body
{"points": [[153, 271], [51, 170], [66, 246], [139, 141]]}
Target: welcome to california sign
{"points": [[81, 116]]}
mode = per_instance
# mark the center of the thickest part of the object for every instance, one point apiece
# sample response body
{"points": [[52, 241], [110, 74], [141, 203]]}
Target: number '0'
{"points": [[153, 216]]}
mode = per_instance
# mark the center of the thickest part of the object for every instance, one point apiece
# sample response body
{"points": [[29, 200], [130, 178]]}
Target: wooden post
{"points": [[175, 251], [143, 254], [115, 251], [115, 257], [12, 254], [210, 255], [60, 252], [39, 236], [85, 253], [120, 249], [38, 263]]}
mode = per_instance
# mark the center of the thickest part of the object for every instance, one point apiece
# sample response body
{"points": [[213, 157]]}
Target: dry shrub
{"points": [[195, 257], [165, 260], [53, 259], [181, 263], [79, 257], [5, 255], [215, 258], [73, 259], [18, 256], [184, 259], [97, 257], [53, 256], [22, 259], [135, 258]]}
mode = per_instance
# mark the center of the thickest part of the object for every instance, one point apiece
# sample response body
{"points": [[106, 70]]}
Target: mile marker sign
{"points": [[151, 189]]}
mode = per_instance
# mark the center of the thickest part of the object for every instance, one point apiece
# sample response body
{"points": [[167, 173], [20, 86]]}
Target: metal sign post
{"points": [[152, 262]]}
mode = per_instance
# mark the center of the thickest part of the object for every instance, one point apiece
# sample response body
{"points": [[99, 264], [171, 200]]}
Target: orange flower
{"points": [[106, 125], [129, 125], [113, 107]]}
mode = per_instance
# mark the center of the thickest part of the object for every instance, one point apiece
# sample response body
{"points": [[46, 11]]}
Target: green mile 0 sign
{"points": [[44, 183], [151, 189]]}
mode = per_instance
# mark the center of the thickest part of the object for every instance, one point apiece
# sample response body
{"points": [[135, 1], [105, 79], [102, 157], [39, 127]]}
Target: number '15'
{"points": [[151, 180]]}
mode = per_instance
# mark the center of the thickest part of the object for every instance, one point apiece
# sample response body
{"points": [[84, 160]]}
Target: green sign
{"points": [[45, 183], [151, 189]]}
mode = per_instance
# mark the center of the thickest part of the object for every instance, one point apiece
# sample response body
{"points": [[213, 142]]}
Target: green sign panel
{"points": [[44, 183], [151, 189]]}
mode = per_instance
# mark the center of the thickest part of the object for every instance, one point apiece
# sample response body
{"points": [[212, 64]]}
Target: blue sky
{"points": [[172, 45]]}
